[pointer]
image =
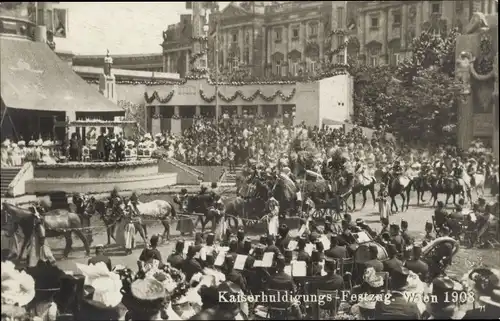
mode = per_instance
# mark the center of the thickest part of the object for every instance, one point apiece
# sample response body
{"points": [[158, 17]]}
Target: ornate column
{"points": [[264, 49], [321, 36], [175, 122], [241, 42], [404, 24], [188, 71], [303, 37], [239, 110], [280, 110], [223, 39], [259, 110], [156, 121], [269, 44], [198, 111]]}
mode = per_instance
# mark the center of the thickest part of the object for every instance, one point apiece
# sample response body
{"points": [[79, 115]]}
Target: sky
{"points": [[121, 27]]}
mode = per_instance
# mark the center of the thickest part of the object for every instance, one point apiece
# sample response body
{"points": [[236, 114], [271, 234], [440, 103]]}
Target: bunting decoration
{"points": [[257, 93], [156, 96], [142, 82]]}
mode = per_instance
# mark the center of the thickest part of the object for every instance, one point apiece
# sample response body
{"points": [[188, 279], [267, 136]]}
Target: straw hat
{"points": [[21, 143], [47, 143]]}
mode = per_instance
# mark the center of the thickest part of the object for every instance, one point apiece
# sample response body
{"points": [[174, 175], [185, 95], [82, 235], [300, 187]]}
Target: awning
{"points": [[34, 78]]}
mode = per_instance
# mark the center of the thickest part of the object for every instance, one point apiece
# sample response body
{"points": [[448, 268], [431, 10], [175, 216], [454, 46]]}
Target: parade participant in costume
{"points": [[472, 170], [273, 210], [397, 170], [384, 207], [336, 251], [176, 259], [417, 265], [134, 201]]}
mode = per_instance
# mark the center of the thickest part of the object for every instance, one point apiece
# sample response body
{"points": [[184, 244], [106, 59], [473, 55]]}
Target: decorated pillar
{"points": [[107, 82], [198, 110], [156, 121], [280, 110], [239, 110], [175, 122], [188, 71], [259, 110]]}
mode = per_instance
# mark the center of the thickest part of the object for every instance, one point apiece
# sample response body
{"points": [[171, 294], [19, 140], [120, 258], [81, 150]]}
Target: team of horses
{"points": [[250, 203]]}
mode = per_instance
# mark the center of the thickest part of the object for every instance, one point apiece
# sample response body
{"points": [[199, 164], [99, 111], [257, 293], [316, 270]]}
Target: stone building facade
{"points": [[291, 38]]}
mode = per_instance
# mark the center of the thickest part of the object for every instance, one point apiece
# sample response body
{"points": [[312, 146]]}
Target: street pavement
{"points": [[415, 216]]}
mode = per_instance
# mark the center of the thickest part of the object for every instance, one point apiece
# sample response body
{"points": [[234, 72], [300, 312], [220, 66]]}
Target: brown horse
{"points": [[55, 223]]}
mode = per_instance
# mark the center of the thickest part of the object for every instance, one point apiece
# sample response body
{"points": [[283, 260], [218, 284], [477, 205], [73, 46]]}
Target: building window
{"points": [[313, 30], [277, 67], [295, 68], [374, 22], [340, 58], [340, 18], [436, 8], [278, 35], [396, 18], [295, 33], [340, 40], [235, 37], [246, 56]]}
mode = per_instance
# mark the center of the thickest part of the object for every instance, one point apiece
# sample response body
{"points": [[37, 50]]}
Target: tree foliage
{"points": [[417, 100]]}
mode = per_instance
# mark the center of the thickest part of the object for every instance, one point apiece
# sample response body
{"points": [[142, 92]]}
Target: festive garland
{"points": [[257, 93], [143, 82], [156, 96], [97, 165]]}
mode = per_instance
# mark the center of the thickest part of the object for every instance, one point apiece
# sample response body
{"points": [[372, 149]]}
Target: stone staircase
{"points": [[8, 174], [230, 177]]}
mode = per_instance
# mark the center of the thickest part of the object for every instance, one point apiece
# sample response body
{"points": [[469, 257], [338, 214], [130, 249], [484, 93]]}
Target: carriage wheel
{"points": [[337, 215]]}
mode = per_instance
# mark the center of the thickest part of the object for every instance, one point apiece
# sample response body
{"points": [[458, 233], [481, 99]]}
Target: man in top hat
{"points": [[417, 265], [176, 259], [393, 263], [331, 281], [400, 308], [100, 257], [336, 251]]}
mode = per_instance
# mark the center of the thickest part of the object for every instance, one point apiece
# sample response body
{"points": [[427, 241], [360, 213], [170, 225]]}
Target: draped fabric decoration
{"points": [[156, 96], [257, 93]]}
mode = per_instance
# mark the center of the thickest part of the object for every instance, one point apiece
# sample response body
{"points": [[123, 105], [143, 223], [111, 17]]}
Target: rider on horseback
{"points": [[397, 170], [134, 201]]}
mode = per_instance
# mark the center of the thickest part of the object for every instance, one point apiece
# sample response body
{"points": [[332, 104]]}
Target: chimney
{"points": [[41, 34]]}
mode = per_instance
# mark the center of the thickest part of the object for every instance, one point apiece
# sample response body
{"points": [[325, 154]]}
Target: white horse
{"points": [[157, 210], [478, 180]]}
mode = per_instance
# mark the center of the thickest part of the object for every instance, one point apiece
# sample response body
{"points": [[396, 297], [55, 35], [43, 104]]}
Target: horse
{"points": [[398, 185], [54, 223], [359, 184], [155, 210], [421, 185], [93, 206], [449, 186], [201, 204]]}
